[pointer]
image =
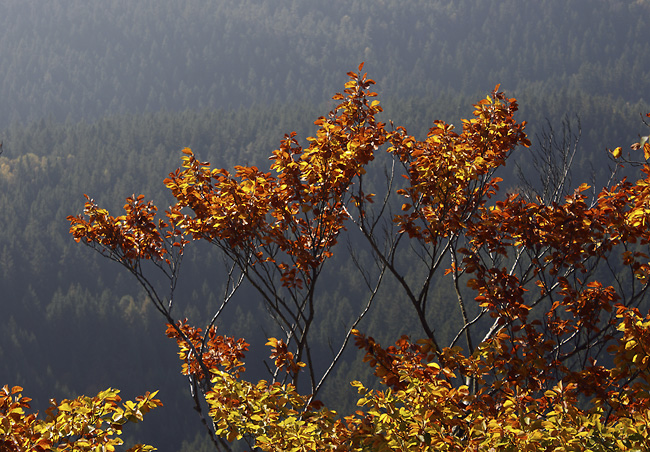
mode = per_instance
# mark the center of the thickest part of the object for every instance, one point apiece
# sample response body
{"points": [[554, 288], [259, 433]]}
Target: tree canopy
{"points": [[550, 283]]}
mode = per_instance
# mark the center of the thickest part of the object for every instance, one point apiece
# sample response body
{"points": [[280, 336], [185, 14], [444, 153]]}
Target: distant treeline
{"points": [[86, 59]]}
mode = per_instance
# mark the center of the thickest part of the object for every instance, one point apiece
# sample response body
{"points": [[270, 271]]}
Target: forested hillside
{"points": [[99, 97], [87, 59]]}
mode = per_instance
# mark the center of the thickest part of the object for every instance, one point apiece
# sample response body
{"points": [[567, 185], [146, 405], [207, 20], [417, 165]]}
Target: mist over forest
{"points": [[99, 97]]}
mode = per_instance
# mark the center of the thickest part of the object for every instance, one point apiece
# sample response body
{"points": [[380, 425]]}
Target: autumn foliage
{"points": [[554, 348], [83, 424]]}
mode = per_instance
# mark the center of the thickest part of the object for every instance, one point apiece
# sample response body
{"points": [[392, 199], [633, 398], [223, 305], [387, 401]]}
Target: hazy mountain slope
{"points": [[84, 59]]}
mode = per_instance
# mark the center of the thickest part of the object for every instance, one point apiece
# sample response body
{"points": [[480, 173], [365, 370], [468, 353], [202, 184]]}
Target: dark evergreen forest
{"points": [[99, 97]]}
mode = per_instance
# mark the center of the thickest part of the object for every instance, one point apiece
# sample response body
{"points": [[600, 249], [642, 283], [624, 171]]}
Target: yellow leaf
{"points": [[65, 406], [616, 153], [646, 150]]}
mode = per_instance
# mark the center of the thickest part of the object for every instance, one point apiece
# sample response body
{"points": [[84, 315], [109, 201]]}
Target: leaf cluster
{"points": [[82, 424]]}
